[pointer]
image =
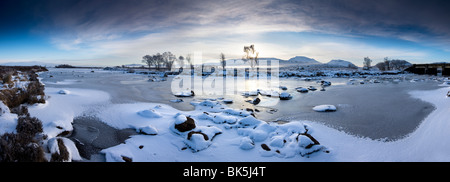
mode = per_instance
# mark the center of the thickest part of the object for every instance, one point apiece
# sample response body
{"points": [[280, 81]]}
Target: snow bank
{"points": [[58, 112], [8, 120]]}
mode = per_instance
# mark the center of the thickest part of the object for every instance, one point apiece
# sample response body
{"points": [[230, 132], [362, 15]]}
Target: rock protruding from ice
{"points": [[325, 83], [301, 89], [324, 108], [285, 96], [150, 113], [185, 94], [256, 101], [228, 101]]}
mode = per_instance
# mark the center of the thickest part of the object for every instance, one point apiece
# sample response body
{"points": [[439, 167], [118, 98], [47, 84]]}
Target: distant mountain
{"points": [[302, 60], [30, 63], [341, 63]]}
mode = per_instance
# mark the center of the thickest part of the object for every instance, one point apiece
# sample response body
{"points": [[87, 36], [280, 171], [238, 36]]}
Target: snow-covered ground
{"points": [[225, 134]]}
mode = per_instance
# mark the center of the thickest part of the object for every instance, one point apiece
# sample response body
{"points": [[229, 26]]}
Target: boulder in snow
{"points": [[183, 123], [324, 108]]}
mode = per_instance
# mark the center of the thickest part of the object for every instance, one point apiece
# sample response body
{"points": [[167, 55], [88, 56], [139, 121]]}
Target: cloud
{"points": [[129, 29]]}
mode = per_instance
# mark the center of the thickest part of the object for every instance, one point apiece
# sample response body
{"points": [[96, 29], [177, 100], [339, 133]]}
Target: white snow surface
{"points": [[427, 143]]}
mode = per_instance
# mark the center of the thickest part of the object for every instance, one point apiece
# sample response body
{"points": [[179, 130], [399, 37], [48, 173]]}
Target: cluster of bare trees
{"points": [[393, 64], [165, 60], [387, 64]]}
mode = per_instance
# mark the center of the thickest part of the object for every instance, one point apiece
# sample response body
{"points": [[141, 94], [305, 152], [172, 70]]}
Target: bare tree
{"points": [[188, 59], [168, 60], [387, 63], [159, 61], [181, 61], [147, 59], [366, 63], [222, 61], [251, 54]]}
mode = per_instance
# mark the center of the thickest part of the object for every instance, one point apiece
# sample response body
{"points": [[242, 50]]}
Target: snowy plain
{"points": [[427, 143]]}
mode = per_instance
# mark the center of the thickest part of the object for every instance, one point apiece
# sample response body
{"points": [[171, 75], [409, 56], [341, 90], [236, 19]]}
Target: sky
{"points": [[117, 32]]}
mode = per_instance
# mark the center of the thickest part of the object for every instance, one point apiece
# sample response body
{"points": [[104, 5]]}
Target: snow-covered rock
{"points": [[249, 121], [285, 96], [197, 141], [185, 94], [246, 143], [183, 123], [176, 100], [312, 88], [55, 147], [324, 108], [63, 92], [150, 113], [301, 89], [227, 101], [325, 83], [256, 101], [251, 93], [147, 130]]}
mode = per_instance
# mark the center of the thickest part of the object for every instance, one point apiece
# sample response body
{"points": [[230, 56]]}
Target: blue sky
{"points": [[116, 32]]}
